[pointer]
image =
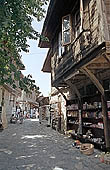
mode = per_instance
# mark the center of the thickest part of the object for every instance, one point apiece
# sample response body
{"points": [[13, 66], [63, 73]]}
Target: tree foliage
{"points": [[27, 80], [15, 27]]}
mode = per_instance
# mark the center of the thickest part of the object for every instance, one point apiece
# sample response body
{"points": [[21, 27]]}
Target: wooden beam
{"points": [[107, 47], [107, 58], [98, 66], [93, 78], [61, 93], [73, 75]]}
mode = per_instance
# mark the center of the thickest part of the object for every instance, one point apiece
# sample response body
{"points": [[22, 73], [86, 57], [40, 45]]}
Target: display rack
{"points": [[92, 123]]}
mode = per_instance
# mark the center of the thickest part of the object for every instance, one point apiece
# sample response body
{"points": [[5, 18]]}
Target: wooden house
{"points": [[79, 58]]}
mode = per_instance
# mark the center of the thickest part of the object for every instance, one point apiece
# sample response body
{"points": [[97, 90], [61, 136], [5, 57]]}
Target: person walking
{"points": [[21, 117]]}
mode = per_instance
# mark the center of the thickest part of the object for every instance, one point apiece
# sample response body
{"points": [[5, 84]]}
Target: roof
{"points": [[56, 9], [47, 63], [43, 100]]}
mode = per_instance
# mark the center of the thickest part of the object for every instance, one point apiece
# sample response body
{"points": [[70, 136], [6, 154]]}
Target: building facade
{"points": [[8, 98], [79, 58], [27, 101]]}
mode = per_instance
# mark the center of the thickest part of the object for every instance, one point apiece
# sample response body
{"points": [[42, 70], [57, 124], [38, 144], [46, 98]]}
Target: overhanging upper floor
{"points": [[95, 59]]}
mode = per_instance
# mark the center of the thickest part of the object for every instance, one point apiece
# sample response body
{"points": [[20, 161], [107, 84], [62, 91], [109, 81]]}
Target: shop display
{"points": [[92, 123]]}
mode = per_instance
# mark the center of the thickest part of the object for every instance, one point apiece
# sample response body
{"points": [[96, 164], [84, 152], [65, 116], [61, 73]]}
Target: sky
{"points": [[34, 60]]}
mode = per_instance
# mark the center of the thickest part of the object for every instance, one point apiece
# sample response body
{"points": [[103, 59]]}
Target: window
{"points": [[60, 47], [66, 29]]}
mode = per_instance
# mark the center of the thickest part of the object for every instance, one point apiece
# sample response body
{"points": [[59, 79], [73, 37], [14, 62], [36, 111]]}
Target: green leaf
{"points": [[16, 18]]}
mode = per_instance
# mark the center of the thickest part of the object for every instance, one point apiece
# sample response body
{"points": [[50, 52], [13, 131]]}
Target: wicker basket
{"points": [[87, 148]]}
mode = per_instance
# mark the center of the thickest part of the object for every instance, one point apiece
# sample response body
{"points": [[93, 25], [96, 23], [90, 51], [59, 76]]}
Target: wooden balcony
{"points": [[82, 50]]}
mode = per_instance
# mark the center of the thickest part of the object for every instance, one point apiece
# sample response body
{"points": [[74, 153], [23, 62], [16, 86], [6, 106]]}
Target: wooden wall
{"points": [[107, 5], [91, 20], [103, 7]]}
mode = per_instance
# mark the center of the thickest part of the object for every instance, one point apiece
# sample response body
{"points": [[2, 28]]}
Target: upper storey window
{"points": [[66, 29]]}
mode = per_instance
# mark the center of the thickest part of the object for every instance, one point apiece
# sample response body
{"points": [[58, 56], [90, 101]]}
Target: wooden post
{"points": [[81, 14], [59, 90], [80, 107], [105, 121]]}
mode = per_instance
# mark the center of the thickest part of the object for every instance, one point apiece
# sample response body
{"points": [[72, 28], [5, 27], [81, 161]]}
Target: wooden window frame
{"points": [[69, 29]]}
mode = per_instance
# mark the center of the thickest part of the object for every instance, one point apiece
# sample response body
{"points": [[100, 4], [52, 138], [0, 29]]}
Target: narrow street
{"points": [[33, 146]]}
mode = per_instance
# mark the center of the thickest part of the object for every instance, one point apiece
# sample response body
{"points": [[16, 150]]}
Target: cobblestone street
{"points": [[33, 146]]}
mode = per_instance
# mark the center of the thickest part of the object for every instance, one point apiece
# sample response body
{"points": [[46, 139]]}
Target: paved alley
{"points": [[33, 146]]}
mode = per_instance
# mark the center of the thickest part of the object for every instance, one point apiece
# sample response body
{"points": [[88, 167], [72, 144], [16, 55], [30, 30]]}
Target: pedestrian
{"points": [[21, 117], [31, 113], [40, 117], [18, 112], [25, 113], [37, 114]]}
